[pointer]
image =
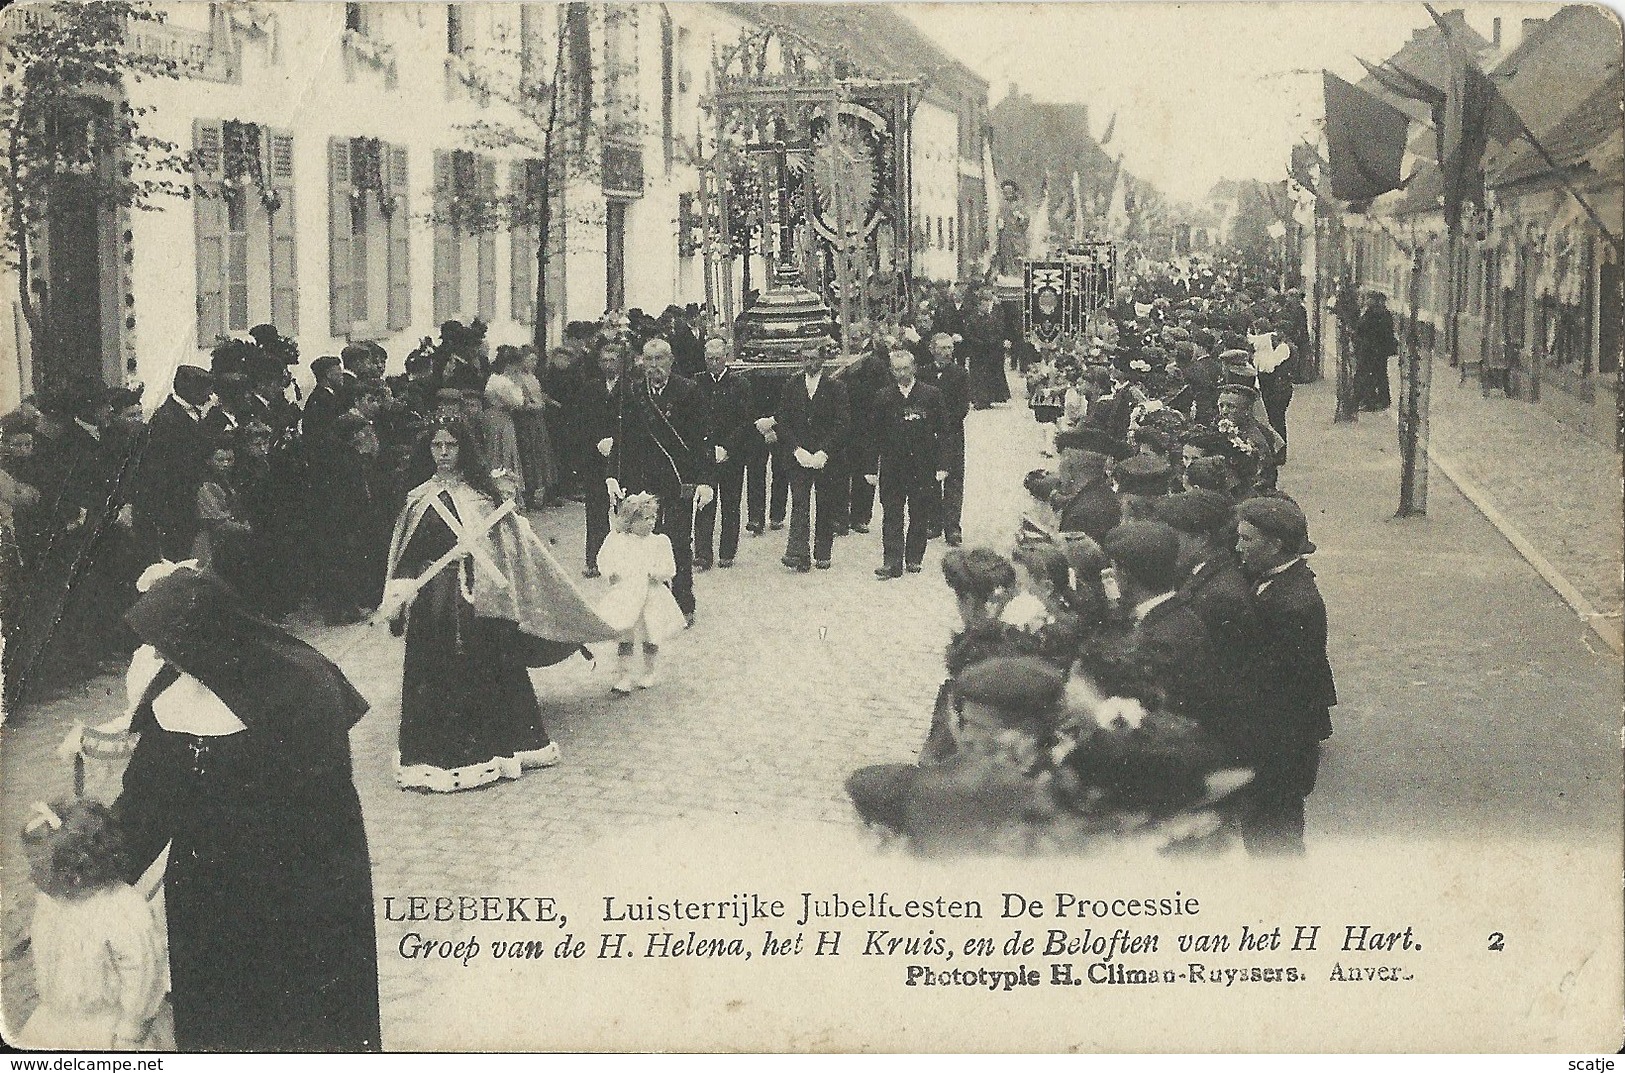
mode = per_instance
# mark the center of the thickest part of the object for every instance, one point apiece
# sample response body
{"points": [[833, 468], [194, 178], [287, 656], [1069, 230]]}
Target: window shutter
{"points": [[339, 273], [487, 297], [521, 248], [447, 259], [209, 213], [400, 249], [284, 253]]}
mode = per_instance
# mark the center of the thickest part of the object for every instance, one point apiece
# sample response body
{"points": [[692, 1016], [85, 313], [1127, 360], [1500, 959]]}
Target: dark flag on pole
{"points": [[1401, 83], [1365, 141], [1475, 114]]}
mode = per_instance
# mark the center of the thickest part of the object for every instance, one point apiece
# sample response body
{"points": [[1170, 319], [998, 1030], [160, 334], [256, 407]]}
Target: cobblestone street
{"points": [[1472, 703]]}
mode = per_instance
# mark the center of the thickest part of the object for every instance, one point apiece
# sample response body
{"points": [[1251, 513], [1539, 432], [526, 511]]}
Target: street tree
{"points": [[71, 133], [547, 114]]}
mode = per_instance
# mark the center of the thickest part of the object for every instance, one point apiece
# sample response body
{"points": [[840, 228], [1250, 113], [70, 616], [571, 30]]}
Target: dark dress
{"points": [[1374, 344], [469, 714], [268, 886]]}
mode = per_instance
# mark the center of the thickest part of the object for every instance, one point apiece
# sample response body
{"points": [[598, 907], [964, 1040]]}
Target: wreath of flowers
{"points": [[367, 172], [244, 161]]}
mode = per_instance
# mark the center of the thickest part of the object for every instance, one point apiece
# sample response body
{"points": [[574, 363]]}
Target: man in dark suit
{"points": [[599, 421], [908, 462], [731, 406], [1213, 585], [811, 424], [865, 380], [950, 316], [944, 373], [663, 447], [178, 440], [986, 339], [327, 401], [1290, 669], [1166, 632], [1084, 500]]}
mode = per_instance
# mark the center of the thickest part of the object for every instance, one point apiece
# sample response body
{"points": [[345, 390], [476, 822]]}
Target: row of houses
{"points": [[1537, 274], [332, 142]]}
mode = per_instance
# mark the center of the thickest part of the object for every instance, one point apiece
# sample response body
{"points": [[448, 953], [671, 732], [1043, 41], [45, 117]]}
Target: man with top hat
{"points": [[731, 407], [811, 423], [908, 461], [1290, 672]]}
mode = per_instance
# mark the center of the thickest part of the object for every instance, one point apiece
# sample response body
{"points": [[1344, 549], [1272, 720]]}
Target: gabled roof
{"points": [[1579, 138], [1563, 80], [1426, 57], [880, 41]]}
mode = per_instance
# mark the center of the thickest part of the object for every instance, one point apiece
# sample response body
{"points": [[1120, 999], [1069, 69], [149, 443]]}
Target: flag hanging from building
{"points": [[1365, 141], [1401, 83], [1475, 114]]}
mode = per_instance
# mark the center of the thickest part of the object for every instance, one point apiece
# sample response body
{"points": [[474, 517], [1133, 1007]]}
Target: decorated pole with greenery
{"points": [[71, 132], [550, 116]]}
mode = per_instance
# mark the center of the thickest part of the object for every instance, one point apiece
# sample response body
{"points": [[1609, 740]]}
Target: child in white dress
{"points": [[639, 564], [99, 960]]}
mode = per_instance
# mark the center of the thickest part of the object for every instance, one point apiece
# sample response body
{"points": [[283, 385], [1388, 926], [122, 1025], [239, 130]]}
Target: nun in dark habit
{"points": [[243, 768]]}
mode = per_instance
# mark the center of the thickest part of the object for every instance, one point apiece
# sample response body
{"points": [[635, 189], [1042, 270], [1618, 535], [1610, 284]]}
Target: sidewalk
{"points": [[1560, 488], [1473, 701]]}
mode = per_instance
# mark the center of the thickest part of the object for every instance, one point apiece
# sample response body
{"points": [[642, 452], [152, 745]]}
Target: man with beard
{"points": [[663, 447]]}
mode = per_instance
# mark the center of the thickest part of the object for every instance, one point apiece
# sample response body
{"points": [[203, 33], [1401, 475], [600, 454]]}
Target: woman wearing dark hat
{"points": [[243, 769]]}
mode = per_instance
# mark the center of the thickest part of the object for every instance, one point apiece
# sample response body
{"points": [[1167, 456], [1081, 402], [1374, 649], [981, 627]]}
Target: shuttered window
{"points": [[245, 234], [487, 298], [209, 214], [465, 252], [236, 261], [339, 226], [400, 249], [447, 247], [284, 258], [369, 270], [521, 245]]}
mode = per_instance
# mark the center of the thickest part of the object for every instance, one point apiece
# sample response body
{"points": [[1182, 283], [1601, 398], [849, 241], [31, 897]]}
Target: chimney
{"points": [[1495, 32]]}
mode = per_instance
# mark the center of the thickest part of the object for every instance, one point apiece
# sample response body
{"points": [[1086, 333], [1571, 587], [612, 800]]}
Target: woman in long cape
{"points": [[480, 600]]}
